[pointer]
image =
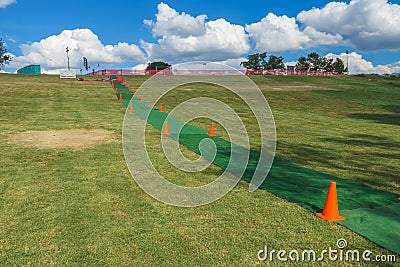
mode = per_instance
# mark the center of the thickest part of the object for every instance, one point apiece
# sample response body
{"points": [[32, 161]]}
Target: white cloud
{"points": [[11, 39], [395, 67], [169, 22], [142, 66], [234, 62], [280, 33], [180, 37], [365, 24], [50, 53], [126, 52], [359, 65], [185, 38], [4, 3]]}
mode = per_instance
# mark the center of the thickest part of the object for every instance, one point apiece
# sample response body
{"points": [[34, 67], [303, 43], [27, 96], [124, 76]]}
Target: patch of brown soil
{"points": [[74, 139]]}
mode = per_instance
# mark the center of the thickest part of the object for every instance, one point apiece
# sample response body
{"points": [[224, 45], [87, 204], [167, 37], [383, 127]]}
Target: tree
{"points": [[314, 61], [158, 65], [258, 61], [338, 66], [302, 64], [255, 62], [326, 64], [4, 57], [275, 63]]}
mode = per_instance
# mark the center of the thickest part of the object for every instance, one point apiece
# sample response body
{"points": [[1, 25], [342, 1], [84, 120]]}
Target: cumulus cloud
{"points": [[394, 67], [4, 3], [141, 66], [234, 63], [280, 33], [51, 52], [364, 24], [187, 38], [357, 64], [179, 37], [170, 22]]}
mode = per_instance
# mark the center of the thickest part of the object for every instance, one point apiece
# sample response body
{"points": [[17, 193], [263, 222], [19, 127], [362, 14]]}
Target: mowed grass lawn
{"points": [[82, 208]]}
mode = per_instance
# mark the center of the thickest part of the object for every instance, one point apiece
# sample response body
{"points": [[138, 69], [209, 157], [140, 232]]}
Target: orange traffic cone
{"points": [[131, 107], [120, 97], [116, 91], [112, 85], [161, 108], [331, 208], [142, 99], [129, 87], [165, 131], [211, 132]]}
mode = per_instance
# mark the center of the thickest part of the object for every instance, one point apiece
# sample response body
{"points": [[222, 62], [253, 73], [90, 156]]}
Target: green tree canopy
{"points": [[158, 65], [315, 62], [4, 57], [302, 64], [255, 61], [258, 61], [275, 63], [326, 64], [338, 66]]}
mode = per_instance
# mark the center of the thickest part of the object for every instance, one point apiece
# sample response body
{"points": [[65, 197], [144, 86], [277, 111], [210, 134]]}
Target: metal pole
{"points": [[347, 61], [67, 50]]}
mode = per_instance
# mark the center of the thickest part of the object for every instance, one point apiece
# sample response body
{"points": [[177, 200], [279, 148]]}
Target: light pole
{"points": [[347, 61], [67, 50]]}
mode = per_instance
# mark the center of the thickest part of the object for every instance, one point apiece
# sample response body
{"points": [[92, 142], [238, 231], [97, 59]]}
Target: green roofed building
{"points": [[31, 69]]}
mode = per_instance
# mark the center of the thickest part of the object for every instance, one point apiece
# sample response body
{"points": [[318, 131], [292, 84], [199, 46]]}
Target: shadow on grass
{"points": [[392, 108], [392, 119], [366, 140], [367, 166]]}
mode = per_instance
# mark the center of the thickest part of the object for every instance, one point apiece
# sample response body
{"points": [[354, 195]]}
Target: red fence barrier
{"points": [[290, 72], [213, 72]]}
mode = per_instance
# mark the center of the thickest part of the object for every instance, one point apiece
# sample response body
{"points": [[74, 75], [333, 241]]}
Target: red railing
{"points": [[213, 72], [290, 72]]}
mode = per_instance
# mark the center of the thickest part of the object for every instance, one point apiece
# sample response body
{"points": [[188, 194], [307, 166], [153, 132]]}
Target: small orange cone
{"points": [[331, 207], [120, 97], [161, 108], [142, 99], [116, 91], [112, 85], [165, 131], [211, 132], [131, 107], [129, 87]]}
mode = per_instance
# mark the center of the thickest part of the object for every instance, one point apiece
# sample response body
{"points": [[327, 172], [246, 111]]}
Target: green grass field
{"points": [[82, 207]]}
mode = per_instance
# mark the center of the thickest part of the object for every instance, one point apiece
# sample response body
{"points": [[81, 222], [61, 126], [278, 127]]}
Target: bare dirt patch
{"points": [[73, 139]]}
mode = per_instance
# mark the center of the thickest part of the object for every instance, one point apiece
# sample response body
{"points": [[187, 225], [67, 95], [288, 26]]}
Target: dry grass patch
{"points": [[73, 139]]}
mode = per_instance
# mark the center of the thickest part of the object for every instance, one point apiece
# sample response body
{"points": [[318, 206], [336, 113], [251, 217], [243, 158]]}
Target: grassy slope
{"points": [[83, 208], [351, 132]]}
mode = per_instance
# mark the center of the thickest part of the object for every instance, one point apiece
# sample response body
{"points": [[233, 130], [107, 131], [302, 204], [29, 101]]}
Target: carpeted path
{"points": [[369, 212]]}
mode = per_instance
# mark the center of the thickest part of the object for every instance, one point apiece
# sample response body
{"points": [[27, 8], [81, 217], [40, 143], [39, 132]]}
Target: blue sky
{"points": [[128, 33]]}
